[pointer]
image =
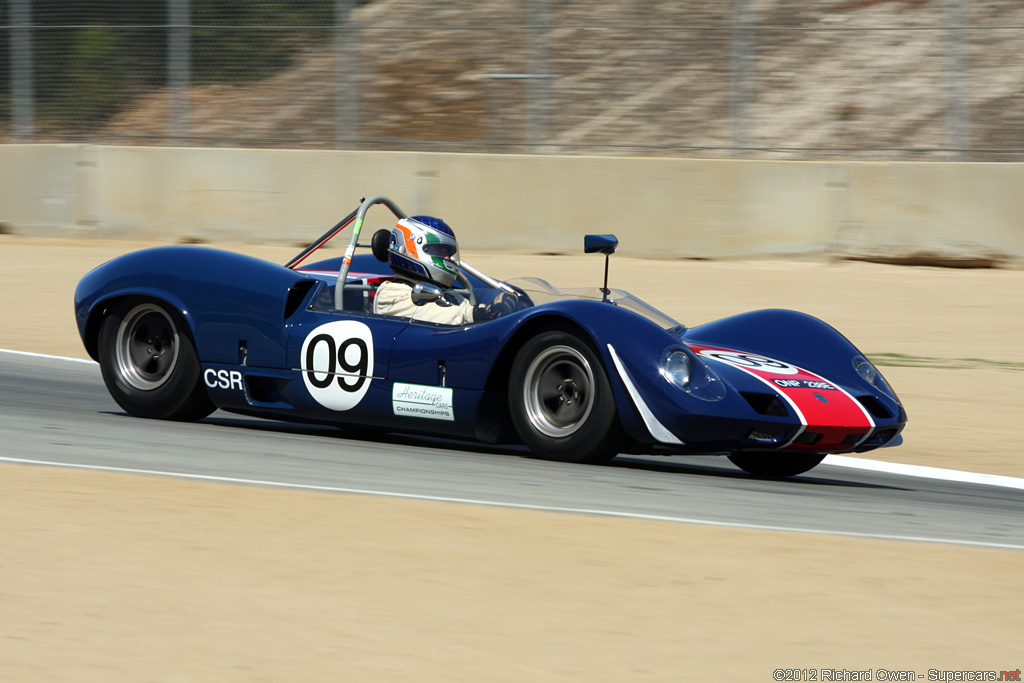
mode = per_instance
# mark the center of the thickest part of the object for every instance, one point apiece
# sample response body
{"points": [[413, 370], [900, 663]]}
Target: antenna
{"points": [[605, 290]]}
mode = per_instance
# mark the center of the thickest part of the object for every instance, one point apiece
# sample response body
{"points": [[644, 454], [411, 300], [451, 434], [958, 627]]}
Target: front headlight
{"points": [[676, 368], [872, 376], [692, 375]]}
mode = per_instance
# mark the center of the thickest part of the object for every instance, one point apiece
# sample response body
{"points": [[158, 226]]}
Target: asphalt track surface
{"points": [[57, 412]]}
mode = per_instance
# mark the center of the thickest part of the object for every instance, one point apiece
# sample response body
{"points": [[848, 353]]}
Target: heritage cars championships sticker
{"points": [[417, 400]]}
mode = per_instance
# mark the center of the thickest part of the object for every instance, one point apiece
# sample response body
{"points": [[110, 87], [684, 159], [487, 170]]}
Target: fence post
{"points": [[742, 92], [958, 116], [346, 87], [22, 115], [179, 67], [537, 86]]}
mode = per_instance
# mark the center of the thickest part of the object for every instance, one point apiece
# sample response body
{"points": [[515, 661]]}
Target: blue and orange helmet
{"points": [[424, 248]]}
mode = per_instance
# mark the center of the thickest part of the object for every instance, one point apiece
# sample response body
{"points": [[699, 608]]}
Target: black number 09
{"points": [[336, 357], [750, 361]]}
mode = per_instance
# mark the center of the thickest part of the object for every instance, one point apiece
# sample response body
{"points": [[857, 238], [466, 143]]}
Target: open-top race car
{"points": [[575, 375]]}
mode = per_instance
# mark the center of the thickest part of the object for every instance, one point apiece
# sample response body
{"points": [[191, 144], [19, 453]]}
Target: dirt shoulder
{"points": [[117, 577]]}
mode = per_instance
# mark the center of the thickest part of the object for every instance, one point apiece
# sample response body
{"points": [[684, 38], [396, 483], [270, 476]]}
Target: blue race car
{"points": [[575, 375]]}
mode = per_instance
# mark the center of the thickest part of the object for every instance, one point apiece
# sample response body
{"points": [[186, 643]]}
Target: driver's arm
{"points": [[395, 298], [503, 304]]}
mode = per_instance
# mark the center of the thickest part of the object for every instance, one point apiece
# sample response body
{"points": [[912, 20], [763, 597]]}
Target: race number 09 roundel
{"points": [[337, 363], [751, 361]]}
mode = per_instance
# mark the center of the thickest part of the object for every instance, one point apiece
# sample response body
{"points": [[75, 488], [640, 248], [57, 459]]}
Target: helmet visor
{"points": [[439, 249]]}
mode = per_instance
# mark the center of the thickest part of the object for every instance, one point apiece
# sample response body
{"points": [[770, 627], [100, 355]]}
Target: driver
{"points": [[424, 249]]}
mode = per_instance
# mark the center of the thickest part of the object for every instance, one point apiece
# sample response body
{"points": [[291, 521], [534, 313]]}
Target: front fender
{"points": [[789, 336], [633, 370], [805, 342]]}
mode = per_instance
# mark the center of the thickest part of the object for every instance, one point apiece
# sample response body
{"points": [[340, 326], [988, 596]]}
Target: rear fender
{"points": [[90, 327], [228, 300]]}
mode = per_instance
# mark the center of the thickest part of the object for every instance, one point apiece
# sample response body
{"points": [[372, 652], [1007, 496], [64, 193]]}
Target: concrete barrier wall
{"points": [[657, 207]]}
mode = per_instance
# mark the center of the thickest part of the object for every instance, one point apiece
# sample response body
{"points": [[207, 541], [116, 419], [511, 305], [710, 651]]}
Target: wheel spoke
{"points": [[147, 366], [566, 414], [138, 350], [548, 390], [163, 361], [578, 377]]}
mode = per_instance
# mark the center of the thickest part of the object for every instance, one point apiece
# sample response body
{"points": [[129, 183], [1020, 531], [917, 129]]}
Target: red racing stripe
{"points": [[822, 406]]}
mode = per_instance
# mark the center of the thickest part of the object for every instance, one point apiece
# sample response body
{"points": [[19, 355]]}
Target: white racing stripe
{"points": [[657, 430], [518, 506], [833, 460]]}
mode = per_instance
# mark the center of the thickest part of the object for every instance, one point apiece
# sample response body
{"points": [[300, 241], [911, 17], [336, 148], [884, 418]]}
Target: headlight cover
{"points": [[676, 368], [692, 375], [872, 376]]}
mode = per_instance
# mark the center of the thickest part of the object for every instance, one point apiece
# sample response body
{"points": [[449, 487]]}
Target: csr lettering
{"points": [[223, 379]]}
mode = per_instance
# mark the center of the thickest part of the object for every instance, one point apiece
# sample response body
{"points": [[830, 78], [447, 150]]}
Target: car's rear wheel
{"points": [[776, 465], [149, 362], [561, 401]]}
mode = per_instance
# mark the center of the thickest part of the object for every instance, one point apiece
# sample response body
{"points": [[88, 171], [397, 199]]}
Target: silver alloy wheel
{"points": [[558, 393], [146, 347]]}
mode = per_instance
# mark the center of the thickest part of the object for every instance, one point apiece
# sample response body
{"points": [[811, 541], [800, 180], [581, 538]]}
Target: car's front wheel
{"points": [[561, 401], [149, 362], [776, 465]]}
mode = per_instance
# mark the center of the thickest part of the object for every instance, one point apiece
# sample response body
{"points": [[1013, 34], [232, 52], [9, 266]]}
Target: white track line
{"points": [[924, 471], [833, 460], [46, 355], [519, 506]]}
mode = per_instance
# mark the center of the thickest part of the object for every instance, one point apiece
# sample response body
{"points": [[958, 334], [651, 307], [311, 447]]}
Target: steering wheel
{"points": [[467, 290]]}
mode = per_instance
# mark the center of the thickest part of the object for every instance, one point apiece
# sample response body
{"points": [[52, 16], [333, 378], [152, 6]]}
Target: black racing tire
{"points": [[776, 465], [149, 362], [561, 402]]}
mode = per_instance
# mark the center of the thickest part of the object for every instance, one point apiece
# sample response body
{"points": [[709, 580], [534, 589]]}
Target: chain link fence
{"points": [[869, 79]]}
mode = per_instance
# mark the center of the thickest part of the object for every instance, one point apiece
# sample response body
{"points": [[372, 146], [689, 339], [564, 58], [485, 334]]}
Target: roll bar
{"points": [[356, 219], [346, 263], [321, 241], [497, 284]]}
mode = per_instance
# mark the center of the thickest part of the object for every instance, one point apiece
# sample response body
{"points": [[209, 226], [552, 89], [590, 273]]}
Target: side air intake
{"points": [[296, 293], [874, 407]]}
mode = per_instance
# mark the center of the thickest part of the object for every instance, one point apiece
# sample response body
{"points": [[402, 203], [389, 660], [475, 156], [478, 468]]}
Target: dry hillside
{"points": [[832, 78]]}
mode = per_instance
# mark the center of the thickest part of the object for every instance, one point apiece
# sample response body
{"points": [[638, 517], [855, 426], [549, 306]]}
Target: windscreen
{"points": [[542, 292]]}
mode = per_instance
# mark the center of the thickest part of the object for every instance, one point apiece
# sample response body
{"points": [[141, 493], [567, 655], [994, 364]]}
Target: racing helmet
{"points": [[422, 248]]}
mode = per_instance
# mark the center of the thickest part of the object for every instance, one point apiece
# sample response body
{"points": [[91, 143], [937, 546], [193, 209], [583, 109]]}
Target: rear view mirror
{"points": [[426, 293], [600, 244]]}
